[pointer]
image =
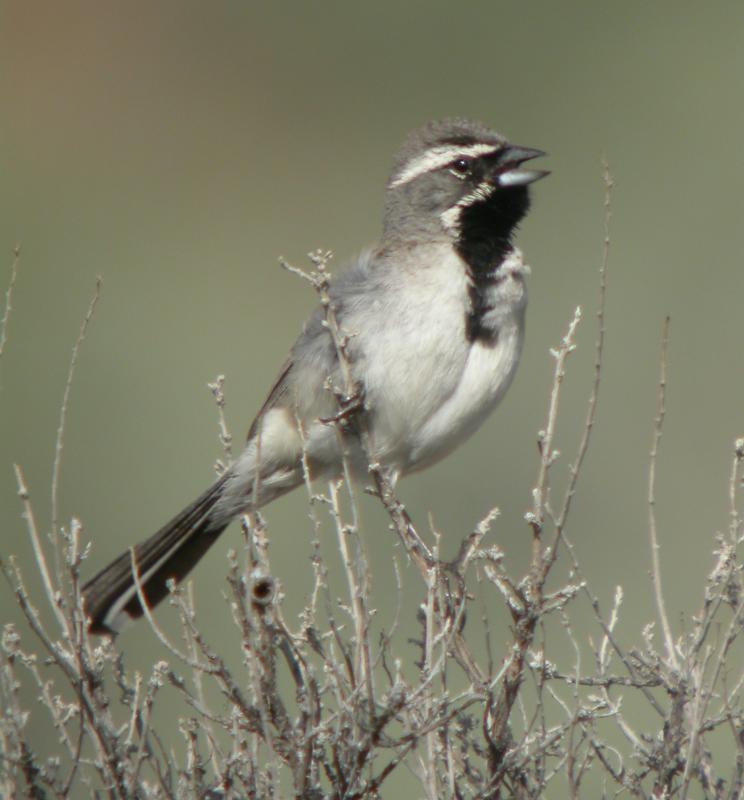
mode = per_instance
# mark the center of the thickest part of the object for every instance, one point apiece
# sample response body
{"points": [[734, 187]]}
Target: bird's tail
{"points": [[111, 599]]}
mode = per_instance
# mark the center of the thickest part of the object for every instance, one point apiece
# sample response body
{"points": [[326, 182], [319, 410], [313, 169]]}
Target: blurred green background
{"points": [[178, 148]]}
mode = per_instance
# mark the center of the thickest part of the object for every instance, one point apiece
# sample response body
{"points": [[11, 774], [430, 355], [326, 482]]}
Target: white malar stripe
{"points": [[451, 217], [439, 156]]}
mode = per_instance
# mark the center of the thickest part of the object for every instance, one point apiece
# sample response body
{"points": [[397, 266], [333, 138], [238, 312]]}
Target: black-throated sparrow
{"points": [[434, 320]]}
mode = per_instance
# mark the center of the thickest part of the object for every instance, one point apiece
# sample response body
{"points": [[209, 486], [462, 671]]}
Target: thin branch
{"points": [[656, 566], [162, 638], [59, 444], [9, 297], [733, 485], [50, 590], [217, 388], [536, 517], [598, 356]]}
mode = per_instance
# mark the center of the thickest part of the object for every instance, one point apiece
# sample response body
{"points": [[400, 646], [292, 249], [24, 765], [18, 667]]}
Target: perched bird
{"points": [[433, 321]]}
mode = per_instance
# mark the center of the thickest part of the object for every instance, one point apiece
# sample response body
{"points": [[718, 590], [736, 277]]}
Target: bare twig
{"points": [[217, 388], [598, 357], [656, 566], [51, 591], [8, 298], [59, 443]]}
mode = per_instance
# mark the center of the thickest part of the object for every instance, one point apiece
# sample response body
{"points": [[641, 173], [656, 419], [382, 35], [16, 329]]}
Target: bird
{"points": [[432, 319]]}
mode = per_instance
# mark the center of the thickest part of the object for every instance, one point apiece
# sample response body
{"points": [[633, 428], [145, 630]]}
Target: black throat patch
{"points": [[484, 240]]}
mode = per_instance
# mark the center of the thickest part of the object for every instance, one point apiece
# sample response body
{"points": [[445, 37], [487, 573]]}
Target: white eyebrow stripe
{"points": [[440, 156]]}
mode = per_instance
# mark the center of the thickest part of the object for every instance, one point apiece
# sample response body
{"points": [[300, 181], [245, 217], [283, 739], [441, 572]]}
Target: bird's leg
{"points": [[349, 405]]}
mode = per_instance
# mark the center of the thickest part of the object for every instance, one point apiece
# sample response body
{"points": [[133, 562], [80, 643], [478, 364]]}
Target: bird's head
{"points": [[458, 179]]}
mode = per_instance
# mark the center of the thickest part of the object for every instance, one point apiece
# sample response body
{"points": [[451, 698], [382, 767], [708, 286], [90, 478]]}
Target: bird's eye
{"points": [[460, 167]]}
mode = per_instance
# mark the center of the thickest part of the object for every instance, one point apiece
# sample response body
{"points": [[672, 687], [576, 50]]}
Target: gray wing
{"points": [[276, 398], [302, 382]]}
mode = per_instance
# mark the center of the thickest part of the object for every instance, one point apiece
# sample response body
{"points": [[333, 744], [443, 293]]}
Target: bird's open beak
{"points": [[507, 170]]}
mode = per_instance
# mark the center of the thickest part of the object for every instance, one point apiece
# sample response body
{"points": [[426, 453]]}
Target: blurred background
{"points": [[177, 149]]}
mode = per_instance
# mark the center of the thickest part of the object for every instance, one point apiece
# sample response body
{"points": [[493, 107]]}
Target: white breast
{"points": [[427, 385], [488, 371]]}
